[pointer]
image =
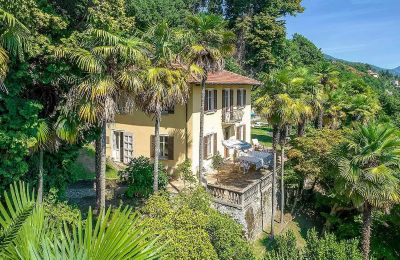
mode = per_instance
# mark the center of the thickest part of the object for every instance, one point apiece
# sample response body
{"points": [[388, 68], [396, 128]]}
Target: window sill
{"points": [[210, 112]]}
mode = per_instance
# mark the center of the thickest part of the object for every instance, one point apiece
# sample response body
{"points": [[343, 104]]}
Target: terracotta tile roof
{"points": [[225, 77]]}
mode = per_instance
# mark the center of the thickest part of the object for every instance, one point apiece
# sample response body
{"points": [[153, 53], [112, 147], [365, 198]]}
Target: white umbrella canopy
{"points": [[236, 144]]}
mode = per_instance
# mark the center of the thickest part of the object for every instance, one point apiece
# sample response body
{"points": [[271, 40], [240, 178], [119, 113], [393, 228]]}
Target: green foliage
{"points": [[227, 238], [152, 12], [28, 233], [217, 162], [284, 247], [313, 155], [302, 52], [19, 204], [59, 212], [194, 229], [317, 248], [368, 166], [17, 135], [139, 176], [184, 170], [110, 15]]}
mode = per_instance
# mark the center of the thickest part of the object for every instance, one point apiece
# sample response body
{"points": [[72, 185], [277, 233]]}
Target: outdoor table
{"points": [[264, 156], [247, 160]]}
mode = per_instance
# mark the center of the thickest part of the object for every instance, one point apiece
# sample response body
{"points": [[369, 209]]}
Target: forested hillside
{"points": [[67, 67]]}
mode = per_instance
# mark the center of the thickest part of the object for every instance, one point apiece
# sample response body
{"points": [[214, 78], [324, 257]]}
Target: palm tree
{"points": [[26, 233], [43, 141], [211, 42], [13, 41], [363, 107], [369, 172], [327, 81], [287, 112], [305, 113], [166, 82], [111, 66], [280, 112]]}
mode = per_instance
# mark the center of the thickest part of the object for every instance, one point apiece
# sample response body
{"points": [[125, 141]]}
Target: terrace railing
{"points": [[238, 198], [232, 115]]}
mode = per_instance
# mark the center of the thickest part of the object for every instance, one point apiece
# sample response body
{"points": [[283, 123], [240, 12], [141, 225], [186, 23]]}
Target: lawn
{"points": [[263, 134], [84, 167]]}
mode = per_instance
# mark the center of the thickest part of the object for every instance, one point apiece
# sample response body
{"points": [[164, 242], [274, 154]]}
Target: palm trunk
{"points": [[273, 193], [40, 186], [275, 136], [100, 168], [282, 182], [366, 229], [201, 137], [156, 150], [301, 129]]}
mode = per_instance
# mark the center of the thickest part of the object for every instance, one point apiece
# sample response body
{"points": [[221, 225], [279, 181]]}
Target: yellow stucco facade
{"points": [[183, 125]]}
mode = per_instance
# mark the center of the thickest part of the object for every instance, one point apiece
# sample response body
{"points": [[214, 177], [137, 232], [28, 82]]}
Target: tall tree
{"points": [[13, 41], [211, 42], [369, 172], [326, 74], [166, 81], [111, 80]]}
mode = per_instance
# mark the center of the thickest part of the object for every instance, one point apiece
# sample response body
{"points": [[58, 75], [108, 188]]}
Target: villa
{"points": [[227, 116]]}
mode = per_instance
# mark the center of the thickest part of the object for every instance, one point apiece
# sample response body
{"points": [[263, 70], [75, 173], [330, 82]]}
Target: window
{"points": [[122, 146], [210, 146], [128, 147], [241, 132], [163, 146], [227, 98], [167, 111], [166, 147], [210, 101], [241, 97]]}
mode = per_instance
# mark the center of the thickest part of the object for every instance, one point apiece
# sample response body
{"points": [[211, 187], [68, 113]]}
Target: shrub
{"points": [[324, 247], [139, 176], [227, 238], [217, 162], [185, 172], [59, 212], [194, 230]]}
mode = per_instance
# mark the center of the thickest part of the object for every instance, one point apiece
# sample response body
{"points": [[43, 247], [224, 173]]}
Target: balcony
{"points": [[231, 115]]}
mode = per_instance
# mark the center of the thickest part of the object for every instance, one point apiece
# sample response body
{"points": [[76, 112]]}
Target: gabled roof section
{"points": [[225, 77]]}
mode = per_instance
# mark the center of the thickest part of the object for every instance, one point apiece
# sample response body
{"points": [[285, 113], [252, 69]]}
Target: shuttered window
{"points": [[241, 132], [241, 97], [166, 147], [210, 146], [128, 147], [210, 101]]}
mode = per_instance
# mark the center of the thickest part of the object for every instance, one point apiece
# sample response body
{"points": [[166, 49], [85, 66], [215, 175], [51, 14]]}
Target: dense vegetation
{"points": [[67, 67]]}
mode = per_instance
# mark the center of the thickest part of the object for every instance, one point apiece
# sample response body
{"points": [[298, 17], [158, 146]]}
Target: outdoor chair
{"points": [[257, 145]]}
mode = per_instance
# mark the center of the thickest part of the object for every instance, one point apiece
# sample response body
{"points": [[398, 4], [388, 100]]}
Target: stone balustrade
{"points": [[235, 197]]}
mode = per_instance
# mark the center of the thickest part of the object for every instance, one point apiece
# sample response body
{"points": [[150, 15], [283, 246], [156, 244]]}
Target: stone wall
{"points": [[251, 207]]}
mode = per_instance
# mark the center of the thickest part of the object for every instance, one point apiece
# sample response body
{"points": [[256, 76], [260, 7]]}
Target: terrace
{"points": [[232, 187]]}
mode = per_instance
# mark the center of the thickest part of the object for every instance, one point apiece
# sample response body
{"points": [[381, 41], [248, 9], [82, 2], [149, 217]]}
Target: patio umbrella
{"points": [[236, 144]]}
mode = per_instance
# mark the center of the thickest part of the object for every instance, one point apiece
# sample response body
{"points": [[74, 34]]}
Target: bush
{"points": [[325, 247], [227, 238], [59, 212], [194, 230], [185, 172], [217, 162], [139, 176]]}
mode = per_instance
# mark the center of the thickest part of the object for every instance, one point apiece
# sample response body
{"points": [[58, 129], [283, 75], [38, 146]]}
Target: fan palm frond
{"points": [[19, 204]]}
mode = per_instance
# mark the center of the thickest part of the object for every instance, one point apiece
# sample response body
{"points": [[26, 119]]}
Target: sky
{"points": [[356, 30]]}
